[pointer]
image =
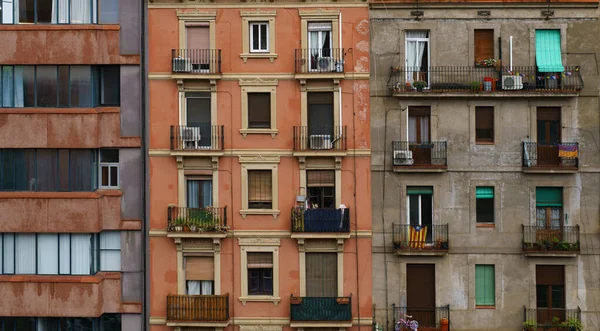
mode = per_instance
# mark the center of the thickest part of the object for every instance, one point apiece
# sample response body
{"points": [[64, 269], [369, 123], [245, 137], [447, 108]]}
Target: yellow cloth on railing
{"points": [[417, 236]]}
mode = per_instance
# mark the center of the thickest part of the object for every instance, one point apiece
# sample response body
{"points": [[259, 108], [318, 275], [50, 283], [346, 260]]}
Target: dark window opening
{"points": [[259, 110]]}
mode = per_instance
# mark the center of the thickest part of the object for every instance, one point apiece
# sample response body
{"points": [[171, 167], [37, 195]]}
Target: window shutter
{"points": [[550, 275], [484, 285], [260, 185], [415, 190], [259, 110], [199, 268], [484, 44], [547, 51], [484, 192], [321, 274], [548, 196], [320, 178], [260, 260], [197, 36]]}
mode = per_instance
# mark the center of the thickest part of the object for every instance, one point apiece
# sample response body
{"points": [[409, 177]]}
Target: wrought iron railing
{"points": [[423, 154], [421, 238], [197, 137], [320, 220], [321, 308], [428, 318], [552, 239], [198, 308], [196, 61], [319, 137], [208, 219], [551, 318], [559, 155], [319, 60], [487, 80]]}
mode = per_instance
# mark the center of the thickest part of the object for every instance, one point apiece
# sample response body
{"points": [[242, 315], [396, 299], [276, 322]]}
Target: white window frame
{"points": [[417, 40], [260, 24], [420, 208], [109, 165]]}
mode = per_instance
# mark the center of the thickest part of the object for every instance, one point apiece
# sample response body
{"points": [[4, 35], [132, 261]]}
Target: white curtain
{"points": [[65, 253], [7, 11], [412, 129], [110, 251], [193, 287], [414, 52], [7, 86], [81, 257], [424, 129], [60, 14], [25, 253], [47, 254], [19, 97], [9, 254], [81, 11], [207, 287]]}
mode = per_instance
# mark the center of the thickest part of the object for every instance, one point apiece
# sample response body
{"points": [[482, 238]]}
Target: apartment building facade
{"points": [[71, 198], [260, 213], [485, 164]]}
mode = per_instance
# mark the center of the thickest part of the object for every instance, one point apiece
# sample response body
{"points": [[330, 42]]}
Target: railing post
{"points": [[171, 136]]}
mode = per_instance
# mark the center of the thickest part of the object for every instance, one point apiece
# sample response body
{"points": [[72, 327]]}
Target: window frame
{"points": [[94, 14], [258, 85], [253, 16], [260, 24], [265, 173], [260, 163], [263, 245], [109, 165], [253, 124], [485, 268], [493, 206]]}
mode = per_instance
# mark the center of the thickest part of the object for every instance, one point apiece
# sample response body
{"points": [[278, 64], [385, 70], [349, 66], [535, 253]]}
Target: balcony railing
{"points": [[321, 308], [430, 319], [431, 154], [483, 80], [319, 138], [197, 138], [551, 318], [319, 60], [320, 220], [420, 239], [551, 239], [196, 61], [198, 308], [208, 219], [551, 156]]}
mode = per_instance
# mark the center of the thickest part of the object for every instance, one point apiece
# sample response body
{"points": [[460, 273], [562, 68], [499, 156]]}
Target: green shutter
{"points": [[548, 197], [547, 51], [485, 285], [484, 192], [419, 190]]}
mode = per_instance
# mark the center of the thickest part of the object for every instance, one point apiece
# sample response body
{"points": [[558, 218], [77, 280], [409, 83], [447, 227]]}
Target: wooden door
{"points": [[419, 135], [548, 136], [420, 293], [550, 293]]}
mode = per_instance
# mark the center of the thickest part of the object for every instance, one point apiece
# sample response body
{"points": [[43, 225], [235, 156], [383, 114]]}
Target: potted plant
{"points": [[193, 224], [419, 85], [444, 324], [295, 300], [475, 86], [179, 224], [572, 324], [529, 325]]}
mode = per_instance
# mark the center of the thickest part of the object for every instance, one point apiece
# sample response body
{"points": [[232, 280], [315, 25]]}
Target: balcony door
{"points": [[420, 208], [420, 293], [198, 134], [320, 120], [321, 275], [199, 193], [548, 136], [550, 293], [417, 56], [321, 189], [199, 275], [198, 45], [549, 211], [320, 44], [419, 119]]}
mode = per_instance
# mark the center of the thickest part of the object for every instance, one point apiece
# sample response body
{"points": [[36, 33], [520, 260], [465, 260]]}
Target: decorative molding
{"points": [[258, 82], [178, 244], [257, 13], [257, 298], [196, 13], [272, 132], [484, 13], [318, 12], [547, 13], [179, 160], [261, 327], [217, 245], [259, 241], [215, 163], [302, 162], [198, 244], [320, 245], [417, 13], [340, 245], [259, 159], [338, 163]]}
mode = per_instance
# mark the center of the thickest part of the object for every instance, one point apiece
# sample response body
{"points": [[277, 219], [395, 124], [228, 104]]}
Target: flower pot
{"points": [[343, 301], [419, 88], [178, 228], [193, 228], [296, 300]]}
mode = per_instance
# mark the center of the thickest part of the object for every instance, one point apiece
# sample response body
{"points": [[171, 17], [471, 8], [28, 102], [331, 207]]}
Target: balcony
{"points": [[198, 310], [326, 311], [551, 241], [550, 158], [551, 319], [197, 140], [419, 157], [320, 222], [210, 222], [429, 240], [487, 81], [205, 62], [430, 319], [319, 63], [320, 140]]}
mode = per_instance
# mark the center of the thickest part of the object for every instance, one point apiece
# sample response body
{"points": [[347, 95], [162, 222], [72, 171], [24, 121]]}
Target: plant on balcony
{"points": [[419, 85], [572, 324], [489, 63], [441, 244], [475, 86], [529, 325], [179, 223], [204, 219], [405, 323]]}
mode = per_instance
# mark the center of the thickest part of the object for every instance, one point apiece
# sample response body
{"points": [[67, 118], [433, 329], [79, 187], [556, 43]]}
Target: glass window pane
{"points": [[110, 260], [46, 80], [44, 11], [82, 324], [25, 253], [104, 179], [24, 82], [6, 13], [81, 11], [110, 86], [81, 170], [111, 322], [8, 259], [81, 254], [63, 169], [26, 13], [414, 209], [63, 86], [8, 173], [255, 36], [114, 176], [65, 253], [7, 86], [542, 296], [109, 12], [47, 253], [81, 86], [47, 162], [263, 37]]}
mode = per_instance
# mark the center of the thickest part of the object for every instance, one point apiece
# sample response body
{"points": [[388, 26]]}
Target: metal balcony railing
{"points": [[196, 61], [436, 318], [198, 308], [551, 318], [199, 137], [551, 156], [208, 219], [320, 220], [426, 238], [321, 308], [486, 80], [551, 239], [319, 60], [425, 154], [319, 138]]}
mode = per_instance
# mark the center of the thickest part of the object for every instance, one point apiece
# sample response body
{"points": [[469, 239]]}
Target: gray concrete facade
{"points": [[499, 164]]}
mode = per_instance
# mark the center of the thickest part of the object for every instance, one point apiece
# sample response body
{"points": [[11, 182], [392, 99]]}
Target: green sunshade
{"points": [[547, 51], [548, 197], [484, 192], [419, 190]]}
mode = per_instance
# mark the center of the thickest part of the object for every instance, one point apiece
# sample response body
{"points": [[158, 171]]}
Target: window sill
{"points": [[485, 143], [272, 132], [260, 298], [485, 307], [486, 225], [246, 212], [93, 279], [259, 55]]}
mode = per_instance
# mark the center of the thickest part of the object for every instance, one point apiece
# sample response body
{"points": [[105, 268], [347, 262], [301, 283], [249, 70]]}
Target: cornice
{"points": [[258, 82], [318, 12], [259, 159], [257, 13], [196, 13]]}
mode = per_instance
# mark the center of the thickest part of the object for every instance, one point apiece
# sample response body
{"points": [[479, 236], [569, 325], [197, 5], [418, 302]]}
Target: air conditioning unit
{"points": [[190, 137], [320, 141], [403, 158], [326, 64], [182, 65], [512, 83]]}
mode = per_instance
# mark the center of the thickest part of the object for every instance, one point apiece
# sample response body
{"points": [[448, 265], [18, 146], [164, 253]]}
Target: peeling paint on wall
{"points": [[361, 64], [363, 46], [363, 27]]}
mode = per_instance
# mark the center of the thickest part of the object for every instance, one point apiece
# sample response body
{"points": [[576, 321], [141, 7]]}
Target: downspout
{"points": [[341, 54], [145, 176]]}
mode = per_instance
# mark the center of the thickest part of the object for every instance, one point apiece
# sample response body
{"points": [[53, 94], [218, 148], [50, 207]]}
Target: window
{"points": [[417, 56], [321, 189], [548, 208], [199, 193], [420, 208], [106, 322], [484, 124], [109, 168], [260, 273], [259, 110], [59, 86], [54, 11], [484, 196], [321, 275], [260, 185], [485, 285], [199, 275], [550, 293], [259, 37], [484, 44], [60, 253], [320, 119]]}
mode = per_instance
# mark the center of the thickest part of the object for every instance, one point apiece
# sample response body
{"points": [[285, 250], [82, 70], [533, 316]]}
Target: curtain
{"points": [[7, 86], [193, 287], [80, 165], [60, 11], [9, 254], [207, 287], [110, 251], [412, 129], [193, 190], [25, 253], [19, 96], [64, 258], [81, 254], [414, 52], [47, 256], [424, 128], [313, 36], [7, 12], [206, 193], [81, 11]]}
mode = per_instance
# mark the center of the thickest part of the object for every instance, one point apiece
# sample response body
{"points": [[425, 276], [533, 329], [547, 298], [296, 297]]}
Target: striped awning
{"points": [[547, 51], [484, 192]]}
